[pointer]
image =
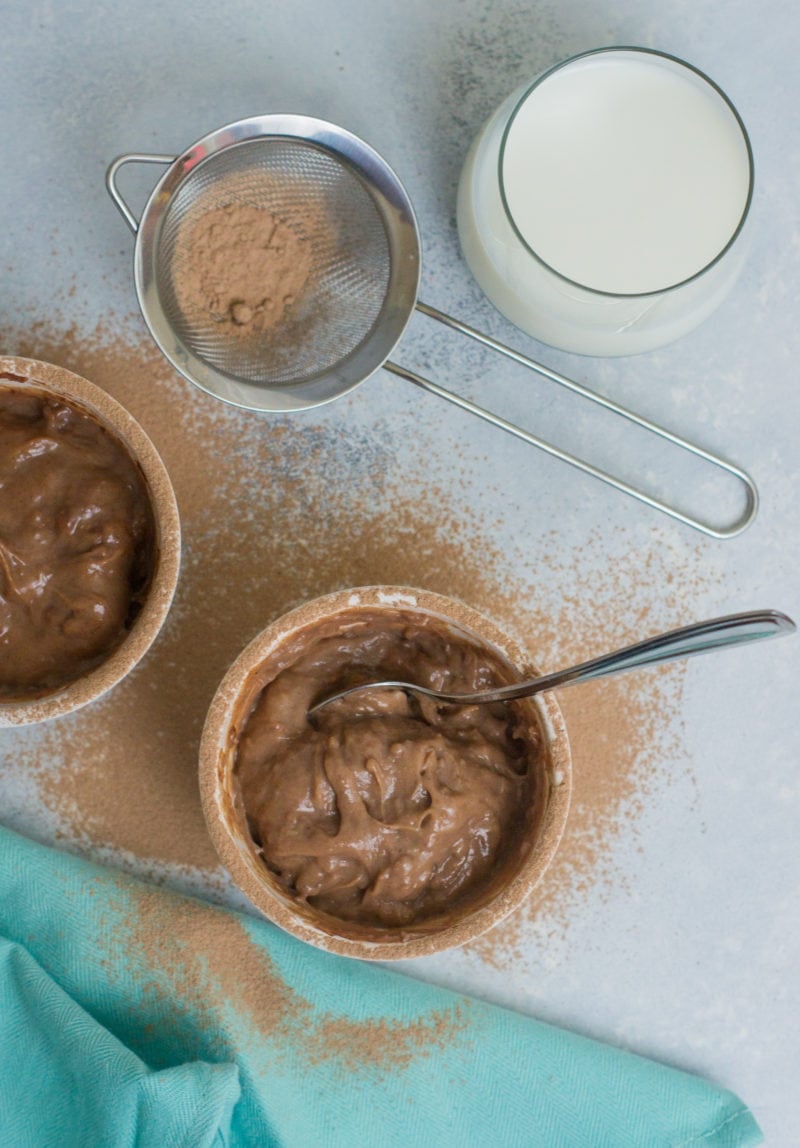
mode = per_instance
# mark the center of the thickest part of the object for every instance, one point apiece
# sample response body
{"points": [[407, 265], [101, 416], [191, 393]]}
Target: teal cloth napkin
{"points": [[131, 1016]]}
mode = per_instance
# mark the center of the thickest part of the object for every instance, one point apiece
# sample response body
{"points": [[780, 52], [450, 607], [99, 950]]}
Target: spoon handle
{"points": [[730, 630], [700, 638]]}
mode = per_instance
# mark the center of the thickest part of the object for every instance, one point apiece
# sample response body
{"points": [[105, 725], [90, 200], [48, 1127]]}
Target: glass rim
{"points": [[663, 56]]}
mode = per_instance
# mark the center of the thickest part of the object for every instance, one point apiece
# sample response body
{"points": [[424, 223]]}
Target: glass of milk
{"points": [[602, 208]]}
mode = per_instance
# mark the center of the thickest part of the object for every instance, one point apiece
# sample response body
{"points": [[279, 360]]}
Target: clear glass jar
{"points": [[602, 208]]}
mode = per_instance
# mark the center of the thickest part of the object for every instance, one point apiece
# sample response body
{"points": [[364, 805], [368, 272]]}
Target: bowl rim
{"points": [[19, 373], [220, 735]]}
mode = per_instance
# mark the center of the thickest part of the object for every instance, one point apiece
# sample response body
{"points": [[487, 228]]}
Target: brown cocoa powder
{"points": [[264, 528], [240, 267], [198, 962]]}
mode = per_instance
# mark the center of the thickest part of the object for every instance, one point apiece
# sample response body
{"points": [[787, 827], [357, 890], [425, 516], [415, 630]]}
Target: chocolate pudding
{"points": [[77, 542], [388, 810]]}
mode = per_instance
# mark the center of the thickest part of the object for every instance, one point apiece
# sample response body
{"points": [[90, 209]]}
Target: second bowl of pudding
{"points": [[89, 542], [389, 826]]}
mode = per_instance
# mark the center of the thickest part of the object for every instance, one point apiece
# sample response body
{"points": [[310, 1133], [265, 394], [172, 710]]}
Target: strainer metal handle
{"points": [[116, 194], [751, 491]]}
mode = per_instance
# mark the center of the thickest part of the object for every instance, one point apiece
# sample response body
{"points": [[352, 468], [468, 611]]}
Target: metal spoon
{"points": [[730, 630]]}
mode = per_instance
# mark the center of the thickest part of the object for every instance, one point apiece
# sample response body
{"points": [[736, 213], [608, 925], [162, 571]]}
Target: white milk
{"points": [[595, 206]]}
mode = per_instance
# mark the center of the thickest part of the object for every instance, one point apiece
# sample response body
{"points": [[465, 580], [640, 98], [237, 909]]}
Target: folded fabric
{"points": [[63, 1072], [133, 1016]]}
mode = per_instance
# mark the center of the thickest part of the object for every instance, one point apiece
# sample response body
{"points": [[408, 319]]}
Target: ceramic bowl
{"points": [[227, 823], [21, 374]]}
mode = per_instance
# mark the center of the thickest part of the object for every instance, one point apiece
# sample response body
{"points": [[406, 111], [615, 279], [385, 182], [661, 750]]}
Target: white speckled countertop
{"points": [[689, 950]]}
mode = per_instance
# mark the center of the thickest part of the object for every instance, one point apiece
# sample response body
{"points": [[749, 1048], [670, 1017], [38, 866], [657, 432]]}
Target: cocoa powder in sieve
{"points": [[241, 267]]}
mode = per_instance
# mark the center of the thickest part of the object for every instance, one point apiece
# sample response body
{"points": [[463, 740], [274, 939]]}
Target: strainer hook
{"points": [[113, 189]]}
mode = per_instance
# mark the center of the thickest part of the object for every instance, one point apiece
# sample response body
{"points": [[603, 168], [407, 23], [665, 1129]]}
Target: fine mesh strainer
{"points": [[339, 200]]}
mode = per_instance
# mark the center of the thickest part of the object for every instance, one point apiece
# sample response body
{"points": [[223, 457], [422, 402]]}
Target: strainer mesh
{"points": [[333, 223]]}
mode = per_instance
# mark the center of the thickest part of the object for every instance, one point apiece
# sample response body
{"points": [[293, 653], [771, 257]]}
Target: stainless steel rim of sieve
{"points": [[365, 278]]}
